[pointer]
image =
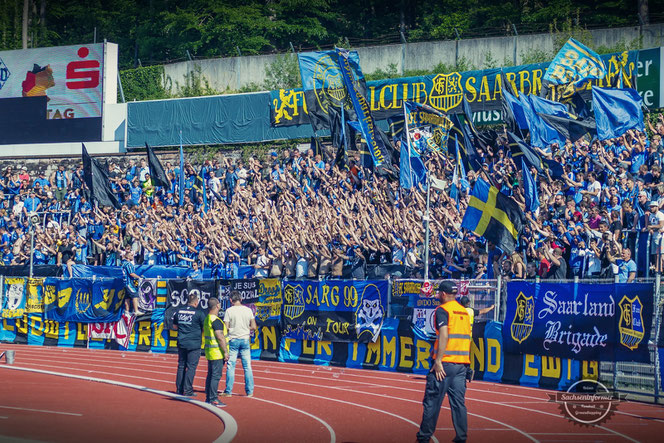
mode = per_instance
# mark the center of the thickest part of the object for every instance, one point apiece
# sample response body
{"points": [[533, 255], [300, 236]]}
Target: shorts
{"points": [[131, 293]]}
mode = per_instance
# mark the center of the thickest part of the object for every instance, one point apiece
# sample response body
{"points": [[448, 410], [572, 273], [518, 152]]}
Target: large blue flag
{"points": [[529, 188], [411, 167], [324, 87], [362, 108], [428, 129], [516, 108], [541, 133], [575, 63], [616, 111]]}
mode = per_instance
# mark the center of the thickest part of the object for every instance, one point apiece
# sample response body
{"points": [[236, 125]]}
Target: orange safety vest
{"points": [[458, 334]]}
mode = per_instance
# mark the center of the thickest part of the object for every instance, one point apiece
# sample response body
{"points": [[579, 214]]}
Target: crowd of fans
{"points": [[297, 215]]}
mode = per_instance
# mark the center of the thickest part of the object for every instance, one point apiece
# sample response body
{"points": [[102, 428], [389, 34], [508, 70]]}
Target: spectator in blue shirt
{"points": [[626, 266]]}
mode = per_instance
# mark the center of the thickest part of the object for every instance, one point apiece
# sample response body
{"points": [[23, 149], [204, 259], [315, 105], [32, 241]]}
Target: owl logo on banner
{"points": [[147, 295], [631, 322], [446, 92], [522, 325], [294, 298], [369, 314]]}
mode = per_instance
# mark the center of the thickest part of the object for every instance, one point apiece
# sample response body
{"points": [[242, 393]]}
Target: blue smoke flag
{"points": [[181, 178], [616, 111], [575, 63], [374, 142], [529, 188]]}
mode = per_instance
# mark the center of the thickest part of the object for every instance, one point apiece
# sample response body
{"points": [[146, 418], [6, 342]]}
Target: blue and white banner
{"points": [[336, 310], [609, 322], [13, 298], [83, 301]]}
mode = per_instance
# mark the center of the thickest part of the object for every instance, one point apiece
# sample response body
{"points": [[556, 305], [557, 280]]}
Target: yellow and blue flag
{"points": [[576, 63], [494, 216]]}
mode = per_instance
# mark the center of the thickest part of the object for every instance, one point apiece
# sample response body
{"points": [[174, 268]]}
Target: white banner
{"points": [[120, 331]]}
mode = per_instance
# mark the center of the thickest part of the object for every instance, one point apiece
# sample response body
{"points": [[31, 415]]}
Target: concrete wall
{"points": [[234, 73]]}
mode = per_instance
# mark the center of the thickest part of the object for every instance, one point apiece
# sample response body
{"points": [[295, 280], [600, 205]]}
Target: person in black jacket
{"points": [[189, 322]]}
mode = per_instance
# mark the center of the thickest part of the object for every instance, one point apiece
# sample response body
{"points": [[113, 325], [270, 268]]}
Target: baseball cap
{"points": [[447, 287], [653, 203]]}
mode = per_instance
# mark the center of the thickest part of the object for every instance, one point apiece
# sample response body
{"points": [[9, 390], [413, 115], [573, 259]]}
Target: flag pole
{"points": [[181, 177], [426, 230]]}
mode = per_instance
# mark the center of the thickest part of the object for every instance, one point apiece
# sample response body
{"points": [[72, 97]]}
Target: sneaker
{"points": [[224, 394], [250, 395], [139, 313], [193, 394], [217, 403]]}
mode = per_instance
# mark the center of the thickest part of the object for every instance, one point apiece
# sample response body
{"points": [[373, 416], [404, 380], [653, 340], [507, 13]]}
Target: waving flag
{"points": [[616, 111], [375, 144], [324, 86], [494, 216], [157, 172], [575, 63], [529, 188], [411, 167], [97, 181]]}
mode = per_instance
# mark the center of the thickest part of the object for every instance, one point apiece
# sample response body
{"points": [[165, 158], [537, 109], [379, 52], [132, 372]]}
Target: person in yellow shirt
{"points": [[216, 351], [451, 361]]}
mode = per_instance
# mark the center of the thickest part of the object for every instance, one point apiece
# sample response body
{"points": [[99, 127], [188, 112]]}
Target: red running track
{"points": [[323, 404]]}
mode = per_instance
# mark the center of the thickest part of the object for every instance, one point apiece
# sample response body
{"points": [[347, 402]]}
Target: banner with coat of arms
{"points": [[609, 322], [334, 310]]}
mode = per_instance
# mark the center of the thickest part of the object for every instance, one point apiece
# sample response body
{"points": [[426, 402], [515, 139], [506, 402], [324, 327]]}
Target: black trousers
{"points": [[215, 367], [187, 364], [454, 384]]}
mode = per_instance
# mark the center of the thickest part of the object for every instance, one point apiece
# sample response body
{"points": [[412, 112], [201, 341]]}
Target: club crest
{"points": [[522, 324], [446, 92], [631, 322], [294, 301]]}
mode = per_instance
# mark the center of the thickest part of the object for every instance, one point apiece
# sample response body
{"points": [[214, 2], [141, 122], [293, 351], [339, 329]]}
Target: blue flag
{"points": [[362, 108], [575, 63], [541, 133], [411, 167], [616, 111], [516, 107], [494, 216], [529, 188], [428, 129]]}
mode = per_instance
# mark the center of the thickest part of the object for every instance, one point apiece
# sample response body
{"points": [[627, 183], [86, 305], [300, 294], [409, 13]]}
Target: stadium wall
{"points": [[233, 73]]}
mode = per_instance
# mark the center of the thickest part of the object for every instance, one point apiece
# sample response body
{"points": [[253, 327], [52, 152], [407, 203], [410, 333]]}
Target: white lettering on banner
{"points": [[181, 298], [118, 331], [572, 307], [576, 340]]}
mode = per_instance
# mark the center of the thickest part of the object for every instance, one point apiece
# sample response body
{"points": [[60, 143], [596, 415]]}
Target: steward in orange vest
{"points": [[451, 361]]}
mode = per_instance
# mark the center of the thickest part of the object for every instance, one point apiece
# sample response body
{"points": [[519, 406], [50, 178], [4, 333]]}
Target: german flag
{"points": [[494, 216]]}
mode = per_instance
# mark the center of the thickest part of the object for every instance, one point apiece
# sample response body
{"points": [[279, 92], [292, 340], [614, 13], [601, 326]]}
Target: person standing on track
{"points": [[189, 322], [451, 360], [216, 352], [241, 323]]}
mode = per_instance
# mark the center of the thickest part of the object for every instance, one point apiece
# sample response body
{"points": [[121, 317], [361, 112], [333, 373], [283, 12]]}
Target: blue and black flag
{"points": [[521, 150], [97, 181], [324, 87], [494, 216]]}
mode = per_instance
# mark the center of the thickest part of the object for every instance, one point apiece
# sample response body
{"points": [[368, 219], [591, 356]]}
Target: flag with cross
{"points": [[494, 216]]}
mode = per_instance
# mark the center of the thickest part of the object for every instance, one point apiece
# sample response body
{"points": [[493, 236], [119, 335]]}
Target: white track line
{"points": [[333, 436], [44, 411], [230, 425], [239, 382], [299, 368]]}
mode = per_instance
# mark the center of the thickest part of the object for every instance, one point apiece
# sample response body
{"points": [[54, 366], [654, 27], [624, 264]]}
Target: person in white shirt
{"points": [[655, 226], [241, 323]]}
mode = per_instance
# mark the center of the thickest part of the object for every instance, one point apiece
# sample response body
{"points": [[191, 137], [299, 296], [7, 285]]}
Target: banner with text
{"points": [[581, 321], [83, 300], [338, 310]]}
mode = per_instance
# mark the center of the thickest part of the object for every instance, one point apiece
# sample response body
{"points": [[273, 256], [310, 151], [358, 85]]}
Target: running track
{"points": [[292, 403]]}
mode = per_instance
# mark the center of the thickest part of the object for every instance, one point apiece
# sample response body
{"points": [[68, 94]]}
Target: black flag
{"points": [[157, 173], [97, 181], [532, 158]]}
